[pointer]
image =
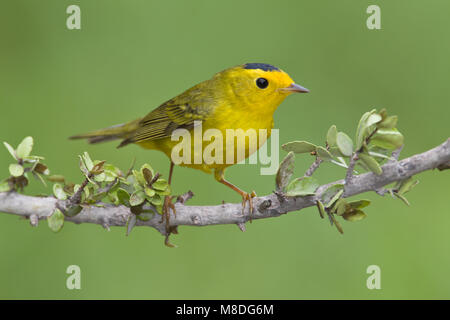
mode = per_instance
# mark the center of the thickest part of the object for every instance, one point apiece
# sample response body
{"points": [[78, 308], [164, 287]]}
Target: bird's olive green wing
{"points": [[161, 122]]}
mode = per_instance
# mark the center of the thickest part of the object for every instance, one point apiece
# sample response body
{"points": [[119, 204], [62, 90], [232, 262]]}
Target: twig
{"points": [[351, 168], [110, 215], [313, 167], [354, 158], [76, 198], [396, 154], [183, 198]]}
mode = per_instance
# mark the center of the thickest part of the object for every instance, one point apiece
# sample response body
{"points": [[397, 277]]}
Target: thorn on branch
{"points": [[313, 167], [396, 154], [108, 187], [241, 226], [183, 198], [76, 198], [34, 220], [155, 178]]}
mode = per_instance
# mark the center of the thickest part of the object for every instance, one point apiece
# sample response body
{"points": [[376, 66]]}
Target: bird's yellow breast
{"points": [[253, 128]]}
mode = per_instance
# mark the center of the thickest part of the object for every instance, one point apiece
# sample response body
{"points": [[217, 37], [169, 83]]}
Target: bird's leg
{"points": [[219, 175]]}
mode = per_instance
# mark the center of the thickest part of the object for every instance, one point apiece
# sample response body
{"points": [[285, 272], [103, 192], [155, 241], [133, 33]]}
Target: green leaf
{"points": [[88, 161], [109, 176], [159, 208], [24, 148], [387, 139], [324, 154], [59, 192], [87, 191], [56, 220], [354, 215], [101, 177], [374, 118], [299, 147], [147, 172], [137, 198], [16, 170], [340, 207], [11, 150], [389, 122], [359, 204], [302, 187], [139, 177], [332, 136], [371, 163], [345, 144], [111, 171], [365, 127], [113, 197], [336, 223], [335, 152], [149, 192], [42, 169], [4, 186], [165, 192], [379, 155], [407, 185], [285, 171], [148, 176], [331, 194], [160, 184], [56, 178], [156, 200], [73, 211], [321, 209], [32, 159], [401, 197], [335, 198], [83, 167], [361, 130], [131, 223]]}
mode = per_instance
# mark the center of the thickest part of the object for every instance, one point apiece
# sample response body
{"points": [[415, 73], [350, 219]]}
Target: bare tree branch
{"points": [[267, 206]]}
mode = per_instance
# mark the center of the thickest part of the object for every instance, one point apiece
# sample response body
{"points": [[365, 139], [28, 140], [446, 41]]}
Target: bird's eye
{"points": [[262, 83]]}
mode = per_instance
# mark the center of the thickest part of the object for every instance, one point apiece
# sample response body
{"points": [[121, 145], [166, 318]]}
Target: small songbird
{"points": [[242, 97]]}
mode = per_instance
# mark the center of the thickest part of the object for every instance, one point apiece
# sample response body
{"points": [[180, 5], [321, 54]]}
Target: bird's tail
{"points": [[120, 131]]}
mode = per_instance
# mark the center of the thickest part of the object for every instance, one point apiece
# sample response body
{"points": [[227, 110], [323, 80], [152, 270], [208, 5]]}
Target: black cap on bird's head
{"points": [[262, 66]]}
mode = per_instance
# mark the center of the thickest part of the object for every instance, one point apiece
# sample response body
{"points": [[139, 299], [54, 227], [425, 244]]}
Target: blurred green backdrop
{"points": [[130, 56]]}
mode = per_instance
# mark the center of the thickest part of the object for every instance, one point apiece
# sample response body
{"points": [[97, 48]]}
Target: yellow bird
{"points": [[242, 97]]}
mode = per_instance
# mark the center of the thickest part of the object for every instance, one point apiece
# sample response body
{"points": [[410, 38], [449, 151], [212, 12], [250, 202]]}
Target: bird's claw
{"points": [[248, 197]]}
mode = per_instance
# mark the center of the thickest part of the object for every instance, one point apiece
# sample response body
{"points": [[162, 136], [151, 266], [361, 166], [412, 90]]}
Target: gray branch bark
{"points": [[269, 206]]}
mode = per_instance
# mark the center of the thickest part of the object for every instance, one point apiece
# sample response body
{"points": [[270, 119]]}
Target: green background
{"points": [[130, 56]]}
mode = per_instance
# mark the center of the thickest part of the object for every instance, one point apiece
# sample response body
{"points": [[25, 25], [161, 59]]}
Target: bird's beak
{"points": [[295, 88]]}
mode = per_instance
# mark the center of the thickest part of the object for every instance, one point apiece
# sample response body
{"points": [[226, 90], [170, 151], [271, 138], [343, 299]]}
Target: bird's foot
{"points": [[248, 197]]}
